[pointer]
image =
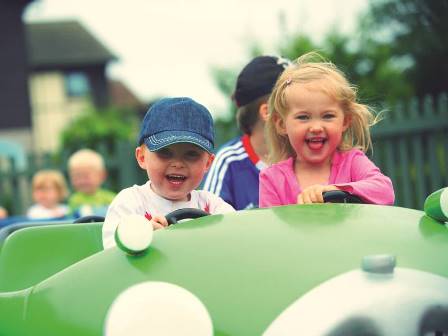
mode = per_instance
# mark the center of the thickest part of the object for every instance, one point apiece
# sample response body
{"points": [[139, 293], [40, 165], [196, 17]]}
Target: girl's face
{"points": [[47, 195], [314, 124], [174, 170]]}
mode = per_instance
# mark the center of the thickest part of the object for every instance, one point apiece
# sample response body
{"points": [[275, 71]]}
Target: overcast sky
{"points": [[167, 47]]}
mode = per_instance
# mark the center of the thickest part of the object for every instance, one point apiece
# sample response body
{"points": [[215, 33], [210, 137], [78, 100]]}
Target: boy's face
{"points": [[174, 170], [86, 179], [47, 195]]}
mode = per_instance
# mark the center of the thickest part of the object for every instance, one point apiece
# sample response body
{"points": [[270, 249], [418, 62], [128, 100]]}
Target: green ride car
{"points": [[321, 269]]}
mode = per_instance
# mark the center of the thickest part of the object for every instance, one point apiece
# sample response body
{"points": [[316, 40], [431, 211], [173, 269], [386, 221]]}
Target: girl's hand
{"points": [[313, 194], [158, 222]]}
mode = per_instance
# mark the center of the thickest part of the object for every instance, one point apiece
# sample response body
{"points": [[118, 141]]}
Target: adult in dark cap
{"points": [[234, 173]]}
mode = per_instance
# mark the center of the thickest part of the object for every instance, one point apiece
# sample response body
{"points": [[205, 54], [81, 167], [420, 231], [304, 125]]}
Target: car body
{"points": [[247, 269]]}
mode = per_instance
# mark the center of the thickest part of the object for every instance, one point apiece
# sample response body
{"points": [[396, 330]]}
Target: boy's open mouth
{"points": [[174, 178]]}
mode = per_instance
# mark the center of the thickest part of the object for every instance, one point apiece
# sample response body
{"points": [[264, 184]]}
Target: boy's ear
{"points": [[279, 124], [140, 156], [263, 112], [103, 175], [209, 162]]}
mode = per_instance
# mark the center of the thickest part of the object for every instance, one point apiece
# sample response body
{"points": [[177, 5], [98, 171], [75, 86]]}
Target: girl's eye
{"points": [[302, 117], [329, 115]]}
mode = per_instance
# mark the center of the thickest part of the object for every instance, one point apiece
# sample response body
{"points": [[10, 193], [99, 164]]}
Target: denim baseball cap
{"points": [[258, 78], [177, 120]]}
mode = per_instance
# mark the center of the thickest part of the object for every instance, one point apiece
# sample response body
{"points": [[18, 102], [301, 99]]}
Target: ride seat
{"points": [[32, 254]]}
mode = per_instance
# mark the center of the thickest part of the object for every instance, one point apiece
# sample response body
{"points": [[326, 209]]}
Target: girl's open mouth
{"points": [[315, 143]]}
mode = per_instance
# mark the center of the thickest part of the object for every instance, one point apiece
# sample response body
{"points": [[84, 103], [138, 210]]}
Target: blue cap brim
{"points": [[160, 140]]}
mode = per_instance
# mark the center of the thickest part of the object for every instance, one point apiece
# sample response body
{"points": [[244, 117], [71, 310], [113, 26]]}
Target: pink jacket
{"points": [[351, 171]]}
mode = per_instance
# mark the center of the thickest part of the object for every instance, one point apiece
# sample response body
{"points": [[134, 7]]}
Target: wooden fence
{"points": [[410, 145]]}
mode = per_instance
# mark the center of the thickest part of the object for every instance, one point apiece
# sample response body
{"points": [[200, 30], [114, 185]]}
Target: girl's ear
{"points": [[140, 156], [209, 162], [347, 122], [279, 124]]}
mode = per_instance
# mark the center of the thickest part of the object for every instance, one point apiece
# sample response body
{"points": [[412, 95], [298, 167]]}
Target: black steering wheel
{"points": [[179, 214], [340, 196], [89, 219]]}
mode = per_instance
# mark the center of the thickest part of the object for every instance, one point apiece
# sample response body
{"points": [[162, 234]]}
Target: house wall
{"points": [[99, 84], [52, 109]]}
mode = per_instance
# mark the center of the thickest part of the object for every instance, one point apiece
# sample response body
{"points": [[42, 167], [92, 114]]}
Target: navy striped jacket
{"points": [[234, 174]]}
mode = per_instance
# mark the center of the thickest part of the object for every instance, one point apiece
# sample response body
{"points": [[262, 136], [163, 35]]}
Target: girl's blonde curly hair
{"points": [[306, 69]]}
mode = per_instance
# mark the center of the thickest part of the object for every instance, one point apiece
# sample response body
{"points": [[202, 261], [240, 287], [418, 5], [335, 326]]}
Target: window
{"points": [[77, 84]]}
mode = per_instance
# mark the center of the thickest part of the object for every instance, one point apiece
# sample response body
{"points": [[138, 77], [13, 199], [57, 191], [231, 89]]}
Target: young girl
{"points": [[49, 189], [317, 135]]}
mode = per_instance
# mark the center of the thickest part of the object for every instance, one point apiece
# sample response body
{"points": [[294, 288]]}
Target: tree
{"points": [[416, 30], [399, 50], [106, 127]]}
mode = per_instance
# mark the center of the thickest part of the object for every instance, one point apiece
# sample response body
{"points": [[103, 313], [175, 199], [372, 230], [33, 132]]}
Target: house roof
{"points": [[122, 96], [63, 43]]}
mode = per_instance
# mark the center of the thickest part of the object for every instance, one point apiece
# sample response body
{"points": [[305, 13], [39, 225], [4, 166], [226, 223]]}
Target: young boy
{"points": [[234, 173], [87, 173], [175, 147]]}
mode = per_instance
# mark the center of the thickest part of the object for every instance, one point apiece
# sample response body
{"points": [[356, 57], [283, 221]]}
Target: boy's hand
{"points": [[313, 194], [158, 222]]}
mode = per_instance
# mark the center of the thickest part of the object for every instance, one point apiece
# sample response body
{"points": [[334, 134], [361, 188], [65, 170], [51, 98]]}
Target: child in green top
{"points": [[87, 173]]}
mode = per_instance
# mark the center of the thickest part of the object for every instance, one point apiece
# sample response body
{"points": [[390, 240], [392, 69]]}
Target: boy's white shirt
{"points": [[142, 200]]}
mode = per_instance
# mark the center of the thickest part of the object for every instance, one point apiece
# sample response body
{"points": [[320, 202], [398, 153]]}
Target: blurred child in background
{"points": [[87, 173], [49, 190], [3, 212]]}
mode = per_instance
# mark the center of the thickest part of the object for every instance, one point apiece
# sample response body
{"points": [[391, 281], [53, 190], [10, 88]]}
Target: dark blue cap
{"points": [[177, 120], [258, 78]]}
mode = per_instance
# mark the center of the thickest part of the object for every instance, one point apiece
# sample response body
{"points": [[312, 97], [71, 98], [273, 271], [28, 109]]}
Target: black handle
{"points": [[90, 219], [340, 196], [177, 215]]}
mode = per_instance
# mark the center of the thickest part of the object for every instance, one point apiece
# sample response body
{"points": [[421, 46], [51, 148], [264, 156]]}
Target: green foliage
{"points": [[106, 127], [398, 51], [225, 80], [368, 64], [295, 46], [225, 128], [416, 30]]}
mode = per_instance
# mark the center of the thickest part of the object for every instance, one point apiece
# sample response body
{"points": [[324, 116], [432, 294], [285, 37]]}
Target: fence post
{"points": [[442, 112], [17, 206], [405, 180], [390, 151], [417, 149], [431, 147], [126, 164]]}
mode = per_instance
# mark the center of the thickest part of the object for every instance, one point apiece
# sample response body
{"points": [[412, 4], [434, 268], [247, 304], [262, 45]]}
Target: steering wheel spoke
{"points": [[340, 196], [175, 216]]}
